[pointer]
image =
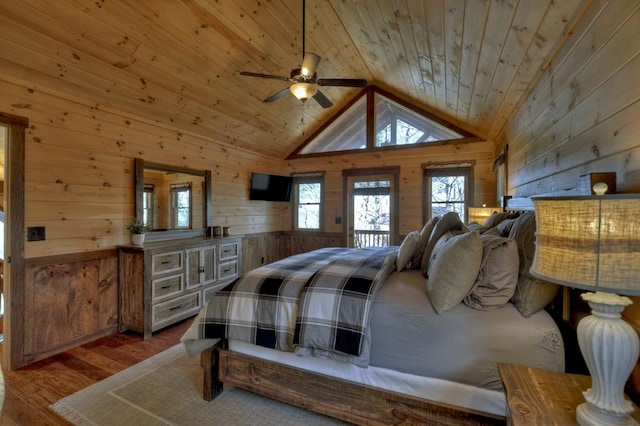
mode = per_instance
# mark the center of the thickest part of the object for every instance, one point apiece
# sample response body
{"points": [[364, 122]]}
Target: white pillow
{"points": [[407, 248], [453, 269]]}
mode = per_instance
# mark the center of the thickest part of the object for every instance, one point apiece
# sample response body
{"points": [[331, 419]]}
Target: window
{"points": [[148, 202], [307, 202], [180, 195], [375, 120], [399, 125], [447, 188]]}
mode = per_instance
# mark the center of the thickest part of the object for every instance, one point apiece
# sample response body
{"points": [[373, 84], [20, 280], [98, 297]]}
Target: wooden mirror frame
{"points": [[139, 166]]}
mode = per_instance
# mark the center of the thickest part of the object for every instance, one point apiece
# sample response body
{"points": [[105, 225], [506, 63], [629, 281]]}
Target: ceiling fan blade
{"points": [[322, 100], [309, 64], [255, 74], [342, 82], [277, 95]]}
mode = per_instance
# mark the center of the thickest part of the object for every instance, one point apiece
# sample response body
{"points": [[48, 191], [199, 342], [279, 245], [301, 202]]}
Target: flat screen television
{"points": [[270, 187]]}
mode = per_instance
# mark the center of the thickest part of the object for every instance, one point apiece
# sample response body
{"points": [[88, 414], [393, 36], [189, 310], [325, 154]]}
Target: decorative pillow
{"points": [[505, 226], [498, 274], [407, 248], [496, 218], [475, 227], [448, 222], [416, 259], [531, 294], [453, 270]]}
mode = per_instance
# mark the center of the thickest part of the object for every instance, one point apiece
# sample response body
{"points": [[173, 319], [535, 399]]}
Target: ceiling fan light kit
{"points": [[309, 64], [303, 91]]}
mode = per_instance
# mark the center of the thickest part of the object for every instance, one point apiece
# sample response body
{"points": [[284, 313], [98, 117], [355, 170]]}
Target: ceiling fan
{"points": [[305, 79]]}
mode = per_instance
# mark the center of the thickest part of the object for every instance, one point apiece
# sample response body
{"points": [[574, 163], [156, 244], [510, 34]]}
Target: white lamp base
{"points": [[610, 348]]}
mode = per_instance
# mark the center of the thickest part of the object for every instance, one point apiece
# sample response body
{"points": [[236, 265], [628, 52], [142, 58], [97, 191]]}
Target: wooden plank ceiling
{"points": [[178, 62]]}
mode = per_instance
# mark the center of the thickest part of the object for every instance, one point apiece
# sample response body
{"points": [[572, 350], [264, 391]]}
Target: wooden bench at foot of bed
{"points": [[352, 402]]}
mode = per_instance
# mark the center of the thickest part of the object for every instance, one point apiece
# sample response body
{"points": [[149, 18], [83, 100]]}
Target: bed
{"points": [[416, 354]]}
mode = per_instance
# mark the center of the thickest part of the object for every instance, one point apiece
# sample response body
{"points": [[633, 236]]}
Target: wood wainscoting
{"points": [[69, 300], [265, 248], [301, 242]]}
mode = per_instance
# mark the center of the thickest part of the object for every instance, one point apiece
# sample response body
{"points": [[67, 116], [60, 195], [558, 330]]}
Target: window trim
{"points": [[447, 169], [307, 178], [174, 188], [149, 190]]}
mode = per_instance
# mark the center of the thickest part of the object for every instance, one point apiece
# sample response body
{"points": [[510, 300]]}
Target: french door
{"points": [[371, 206]]}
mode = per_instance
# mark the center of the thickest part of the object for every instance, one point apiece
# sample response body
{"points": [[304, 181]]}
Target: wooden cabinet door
{"points": [[201, 266]]}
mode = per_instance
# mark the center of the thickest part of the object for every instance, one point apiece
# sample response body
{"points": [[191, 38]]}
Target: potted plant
{"points": [[138, 230]]}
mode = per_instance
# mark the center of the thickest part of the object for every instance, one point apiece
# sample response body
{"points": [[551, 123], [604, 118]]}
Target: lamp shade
{"points": [[303, 91], [591, 242], [481, 214]]}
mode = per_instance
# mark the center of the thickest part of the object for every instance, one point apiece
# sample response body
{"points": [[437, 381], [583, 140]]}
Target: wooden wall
{"points": [[79, 172], [410, 162], [584, 115]]}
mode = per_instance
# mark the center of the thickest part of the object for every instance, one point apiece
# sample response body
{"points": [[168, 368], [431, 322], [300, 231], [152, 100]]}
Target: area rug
{"points": [[166, 389]]}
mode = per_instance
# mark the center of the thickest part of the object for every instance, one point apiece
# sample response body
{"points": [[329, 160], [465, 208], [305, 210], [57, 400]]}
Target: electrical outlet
{"points": [[338, 220], [36, 233]]}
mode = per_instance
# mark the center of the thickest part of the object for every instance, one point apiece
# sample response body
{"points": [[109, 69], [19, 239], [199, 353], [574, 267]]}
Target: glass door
{"points": [[370, 201]]}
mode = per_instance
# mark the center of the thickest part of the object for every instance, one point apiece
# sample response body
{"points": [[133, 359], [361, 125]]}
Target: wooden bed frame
{"points": [[341, 399]]}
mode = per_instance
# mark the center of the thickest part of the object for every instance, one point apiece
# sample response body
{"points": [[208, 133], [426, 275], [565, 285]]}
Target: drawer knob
{"points": [[176, 307], [165, 262]]}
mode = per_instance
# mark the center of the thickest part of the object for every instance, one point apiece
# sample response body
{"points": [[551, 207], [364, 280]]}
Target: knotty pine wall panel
{"points": [[411, 177], [79, 172]]}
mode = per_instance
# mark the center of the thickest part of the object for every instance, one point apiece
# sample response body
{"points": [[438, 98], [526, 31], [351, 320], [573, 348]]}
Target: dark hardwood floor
{"points": [[29, 391]]}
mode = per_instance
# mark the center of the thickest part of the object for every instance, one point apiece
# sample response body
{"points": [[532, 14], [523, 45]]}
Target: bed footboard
{"points": [[209, 360], [330, 396]]}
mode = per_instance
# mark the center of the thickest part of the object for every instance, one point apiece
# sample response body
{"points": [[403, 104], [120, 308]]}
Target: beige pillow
{"points": [[416, 259], [448, 221], [496, 218], [498, 274], [453, 269], [407, 248], [531, 294]]}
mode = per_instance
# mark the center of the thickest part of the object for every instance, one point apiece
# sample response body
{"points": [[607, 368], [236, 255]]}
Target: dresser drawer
{"points": [[174, 310], [166, 262], [227, 270], [228, 251], [161, 288]]}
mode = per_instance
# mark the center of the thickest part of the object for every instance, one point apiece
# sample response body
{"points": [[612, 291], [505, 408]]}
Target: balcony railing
{"points": [[368, 238]]}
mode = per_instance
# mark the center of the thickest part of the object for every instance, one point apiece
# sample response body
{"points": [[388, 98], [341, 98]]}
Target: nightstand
{"points": [[541, 397]]}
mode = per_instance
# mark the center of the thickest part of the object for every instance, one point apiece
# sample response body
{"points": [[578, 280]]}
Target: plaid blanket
{"points": [[321, 300]]}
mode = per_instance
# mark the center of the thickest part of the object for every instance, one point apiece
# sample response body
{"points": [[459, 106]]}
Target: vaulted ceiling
{"points": [[178, 62]]}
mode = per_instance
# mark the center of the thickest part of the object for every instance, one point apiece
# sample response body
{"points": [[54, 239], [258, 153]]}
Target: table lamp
{"points": [[593, 243], [481, 214]]}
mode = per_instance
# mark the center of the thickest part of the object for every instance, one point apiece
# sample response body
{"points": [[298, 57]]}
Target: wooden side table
{"points": [[540, 397]]}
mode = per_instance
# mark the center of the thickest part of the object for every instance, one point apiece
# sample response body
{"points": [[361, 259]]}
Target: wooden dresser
{"points": [[167, 281]]}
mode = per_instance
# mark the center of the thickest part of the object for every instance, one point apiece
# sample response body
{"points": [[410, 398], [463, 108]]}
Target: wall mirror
{"points": [[175, 201]]}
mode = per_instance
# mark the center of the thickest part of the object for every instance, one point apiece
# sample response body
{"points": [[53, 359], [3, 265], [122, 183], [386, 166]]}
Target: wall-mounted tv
{"points": [[270, 187]]}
